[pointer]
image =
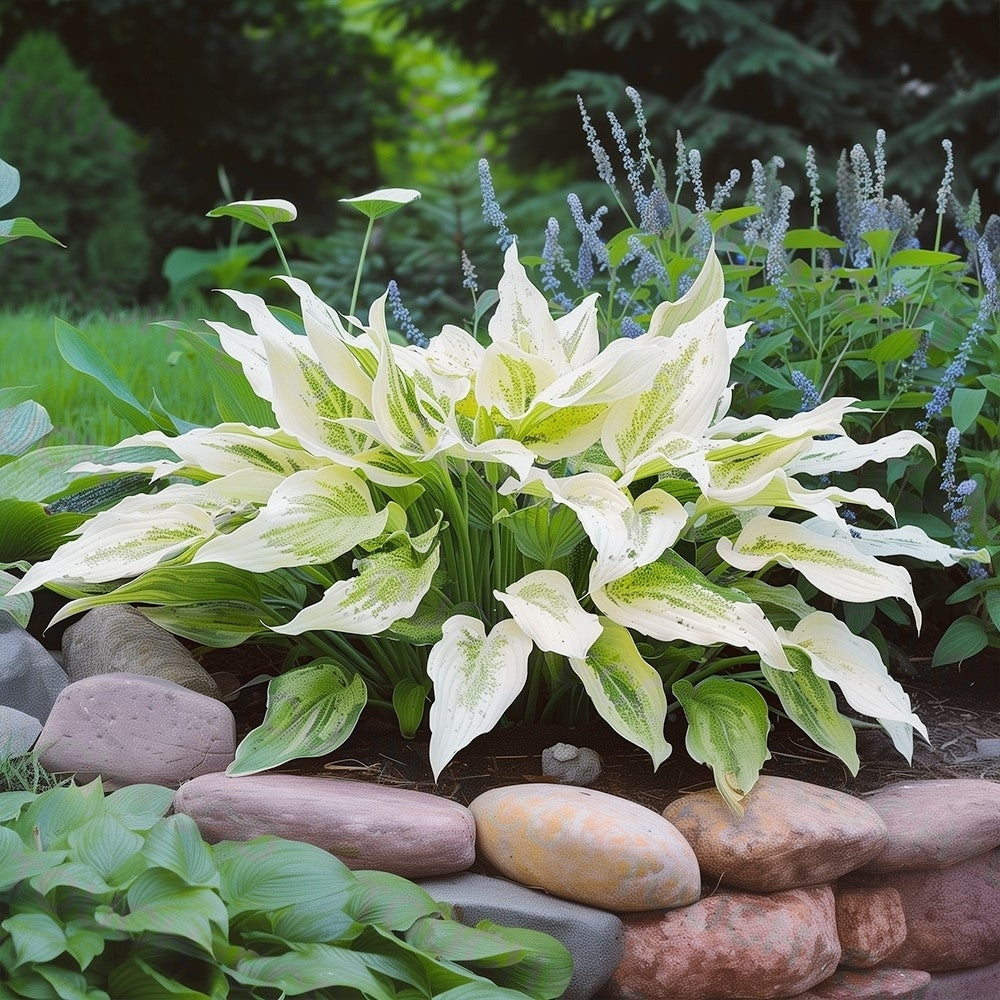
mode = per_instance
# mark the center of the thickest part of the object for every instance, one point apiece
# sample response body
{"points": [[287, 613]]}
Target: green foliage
{"points": [[78, 167], [104, 896]]}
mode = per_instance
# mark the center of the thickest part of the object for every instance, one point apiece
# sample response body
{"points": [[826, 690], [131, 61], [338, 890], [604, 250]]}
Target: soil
{"points": [[960, 705]]}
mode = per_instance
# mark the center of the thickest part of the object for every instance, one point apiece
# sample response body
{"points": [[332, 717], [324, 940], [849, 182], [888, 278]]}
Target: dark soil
{"points": [[959, 705]]}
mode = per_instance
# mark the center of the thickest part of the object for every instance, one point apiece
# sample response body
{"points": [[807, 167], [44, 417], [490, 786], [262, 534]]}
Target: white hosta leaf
{"points": [[498, 450], [626, 691], [811, 704], [707, 288], [673, 451], [827, 418], [312, 517], [249, 352], [578, 333], [476, 676], [389, 586], [836, 565], [727, 729], [311, 710], [384, 201], [841, 454], [259, 214], [744, 464], [510, 379], [854, 665], [453, 351], [906, 541], [545, 607], [670, 599]]}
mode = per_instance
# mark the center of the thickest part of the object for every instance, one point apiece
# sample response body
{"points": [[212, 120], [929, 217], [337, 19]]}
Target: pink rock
{"points": [[966, 984], [586, 846], [883, 983], [952, 914], [131, 729], [733, 944], [366, 826], [791, 834], [870, 924], [934, 824]]}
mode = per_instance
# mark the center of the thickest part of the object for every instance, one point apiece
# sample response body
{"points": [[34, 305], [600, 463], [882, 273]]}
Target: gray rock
{"points": [[118, 638], [18, 732], [969, 984], [595, 938], [571, 765], [131, 729], [30, 679]]}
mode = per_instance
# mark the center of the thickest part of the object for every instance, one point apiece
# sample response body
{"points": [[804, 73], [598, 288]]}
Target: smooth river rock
{"points": [[396, 830], [870, 923], [730, 945], [965, 984], [883, 983], [30, 678], [131, 729], [792, 834], [934, 824], [585, 846]]}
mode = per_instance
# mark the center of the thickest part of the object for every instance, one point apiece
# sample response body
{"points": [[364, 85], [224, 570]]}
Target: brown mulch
{"points": [[959, 705]]}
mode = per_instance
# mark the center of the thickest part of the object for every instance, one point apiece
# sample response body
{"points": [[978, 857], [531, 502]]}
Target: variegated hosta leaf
{"points": [[822, 420], [310, 711], [476, 676], [906, 541], [811, 704], [727, 729], [453, 351], [390, 585], [312, 517], [707, 288], [836, 565], [854, 665], [626, 691], [670, 599], [841, 454], [673, 451], [248, 350], [545, 607], [509, 380]]}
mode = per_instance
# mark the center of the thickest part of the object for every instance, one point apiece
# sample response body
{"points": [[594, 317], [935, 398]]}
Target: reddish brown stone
{"points": [[934, 824], [730, 945], [870, 924], [883, 983], [965, 984], [791, 834]]}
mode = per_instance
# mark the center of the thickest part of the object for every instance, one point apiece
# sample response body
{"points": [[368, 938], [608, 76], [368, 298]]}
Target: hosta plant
{"points": [[516, 530]]}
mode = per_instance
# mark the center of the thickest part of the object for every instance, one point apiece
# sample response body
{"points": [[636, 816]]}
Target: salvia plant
{"points": [[107, 896], [527, 525]]}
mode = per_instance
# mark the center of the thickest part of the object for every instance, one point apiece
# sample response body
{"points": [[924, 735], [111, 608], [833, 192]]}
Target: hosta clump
{"points": [[526, 525]]}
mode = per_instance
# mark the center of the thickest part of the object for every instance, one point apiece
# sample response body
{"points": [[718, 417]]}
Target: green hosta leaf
{"points": [[835, 565], [408, 701], [57, 812], [476, 676], [159, 900], [543, 533], [670, 599], [727, 729], [390, 901], [966, 405], [22, 426], [36, 937], [174, 843], [265, 873], [76, 875], [18, 862], [29, 534], [46, 472], [260, 214], [82, 942], [105, 845], [964, 637], [811, 239], [626, 691], [138, 980], [383, 202], [548, 611], [896, 346], [543, 972], [12, 229], [310, 711], [811, 704], [11, 803]]}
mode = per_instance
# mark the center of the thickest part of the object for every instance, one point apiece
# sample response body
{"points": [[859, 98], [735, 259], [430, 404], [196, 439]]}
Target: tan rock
{"points": [[730, 945], [586, 846], [870, 924], [791, 834]]}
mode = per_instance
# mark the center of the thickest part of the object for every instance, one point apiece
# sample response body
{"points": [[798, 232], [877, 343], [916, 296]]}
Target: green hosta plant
{"points": [[531, 526], [105, 896]]}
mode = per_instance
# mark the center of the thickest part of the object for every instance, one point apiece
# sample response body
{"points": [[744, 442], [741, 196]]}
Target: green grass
{"points": [[149, 358]]}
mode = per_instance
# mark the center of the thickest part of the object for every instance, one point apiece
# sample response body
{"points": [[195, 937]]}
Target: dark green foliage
{"points": [[77, 180], [275, 91], [744, 78]]}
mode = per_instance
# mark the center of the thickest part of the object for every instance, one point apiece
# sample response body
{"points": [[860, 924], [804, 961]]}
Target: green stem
{"points": [[277, 246], [361, 266]]}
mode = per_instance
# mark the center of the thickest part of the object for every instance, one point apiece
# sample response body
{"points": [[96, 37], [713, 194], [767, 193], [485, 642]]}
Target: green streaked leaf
{"points": [[18, 863], [22, 426], [35, 937], [383, 202], [543, 533], [389, 900], [12, 229], [408, 700], [175, 844], [29, 534], [260, 214]]}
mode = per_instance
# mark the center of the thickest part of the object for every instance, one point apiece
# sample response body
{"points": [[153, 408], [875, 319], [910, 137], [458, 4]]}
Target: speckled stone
{"points": [[730, 945], [30, 678], [934, 824], [966, 984], [586, 846], [792, 834], [870, 924], [368, 826], [18, 732], [883, 983]]}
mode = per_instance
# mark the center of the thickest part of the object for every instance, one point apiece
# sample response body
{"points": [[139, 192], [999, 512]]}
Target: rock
{"points": [[595, 938], [792, 834], [132, 729], [117, 638], [571, 765], [934, 824], [952, 914], [965, 985], [883, 983], [732, 944], [30, 679], [18, 732], [870, 924], [585, 846], [409, 833]]}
